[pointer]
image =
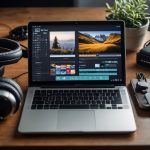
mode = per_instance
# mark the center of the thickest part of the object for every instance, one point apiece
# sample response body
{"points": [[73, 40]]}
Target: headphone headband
{"points": [[10, 51]]}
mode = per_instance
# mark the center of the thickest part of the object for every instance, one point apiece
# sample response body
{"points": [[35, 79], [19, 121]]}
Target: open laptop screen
{"points": [[77, 51]]}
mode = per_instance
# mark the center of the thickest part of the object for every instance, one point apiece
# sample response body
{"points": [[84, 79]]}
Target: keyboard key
{"points": [[33, 107], [46, 106], [90, 98], [103, 102], [57, 102], [53, 106], [83, 102], [66, 102], [81, 98], [52, 102], [120, 107], [39, 106], [37, 98], [34, 102], [47, 102], [108, 102], [72, 102], [49, 91], [51, 98], [43, 92], [108, 107], [55, 91], [114, 107], [61, 102], [116, 102], [74, 107], [88, 102], [77, 102], [37, 93], [93, 102], [58, 98], [105, 98], [98, 102], [45, 98], [38, 102], [94, 106], [102, 106]]}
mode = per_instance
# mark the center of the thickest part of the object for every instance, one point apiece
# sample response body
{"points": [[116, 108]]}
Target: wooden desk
{"points": [[9, 138]]}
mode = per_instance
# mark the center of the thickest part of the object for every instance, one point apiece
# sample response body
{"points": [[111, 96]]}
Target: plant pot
{"points": [[135, 36]]}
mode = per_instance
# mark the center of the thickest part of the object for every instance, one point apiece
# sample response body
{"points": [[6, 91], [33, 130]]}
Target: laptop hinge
{"points": [[79, 86]]}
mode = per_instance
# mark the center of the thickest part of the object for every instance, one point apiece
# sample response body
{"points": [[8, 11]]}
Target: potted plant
{"points": [[132, 12]]}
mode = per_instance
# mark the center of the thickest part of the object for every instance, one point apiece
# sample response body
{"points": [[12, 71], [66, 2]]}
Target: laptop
{"points": [[77, 79]]}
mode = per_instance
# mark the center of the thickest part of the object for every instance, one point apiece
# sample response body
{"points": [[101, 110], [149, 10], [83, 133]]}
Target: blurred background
{"points": [[54, 3], [57, 3]]}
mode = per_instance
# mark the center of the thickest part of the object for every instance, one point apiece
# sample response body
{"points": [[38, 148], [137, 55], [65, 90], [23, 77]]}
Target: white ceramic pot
{"points": [[135, 36]]}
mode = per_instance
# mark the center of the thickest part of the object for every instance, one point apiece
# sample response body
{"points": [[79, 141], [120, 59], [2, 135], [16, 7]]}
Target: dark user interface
{"points": [[76, 53]]}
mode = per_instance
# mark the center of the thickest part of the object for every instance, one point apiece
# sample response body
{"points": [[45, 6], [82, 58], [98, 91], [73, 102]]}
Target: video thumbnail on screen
{"points": [[96, 42], [62, 42], [63, 69]]}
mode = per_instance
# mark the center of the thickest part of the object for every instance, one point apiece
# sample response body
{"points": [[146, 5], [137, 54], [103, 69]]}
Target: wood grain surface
{"points": [[9, 138]]}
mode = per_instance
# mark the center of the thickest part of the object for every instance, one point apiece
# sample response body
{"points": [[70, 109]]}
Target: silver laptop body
{"points": [[86, 58]]}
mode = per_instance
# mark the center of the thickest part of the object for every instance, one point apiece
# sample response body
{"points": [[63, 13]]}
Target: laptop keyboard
{"points": [[77, 99]]}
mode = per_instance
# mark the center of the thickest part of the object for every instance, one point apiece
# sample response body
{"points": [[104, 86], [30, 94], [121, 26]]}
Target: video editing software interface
{"points": [[76, 53]]}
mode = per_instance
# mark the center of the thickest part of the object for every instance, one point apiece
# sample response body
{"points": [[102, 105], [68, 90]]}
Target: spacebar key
{"points": [[74, 107]]}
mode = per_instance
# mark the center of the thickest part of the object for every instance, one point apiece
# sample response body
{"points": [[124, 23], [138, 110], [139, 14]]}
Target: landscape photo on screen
{"points": [[97, 42], [62, 42]]}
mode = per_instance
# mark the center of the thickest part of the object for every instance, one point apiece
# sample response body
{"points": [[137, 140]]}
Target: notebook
{"points": [[77, 79]]}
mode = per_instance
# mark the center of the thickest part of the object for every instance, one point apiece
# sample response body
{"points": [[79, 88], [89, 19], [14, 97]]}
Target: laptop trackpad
{"points": [[76, 120]]}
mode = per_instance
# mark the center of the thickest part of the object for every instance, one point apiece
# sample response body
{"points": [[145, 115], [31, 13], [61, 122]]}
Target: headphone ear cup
{"points": [[7, 104], [12, 87], [13, 83]]}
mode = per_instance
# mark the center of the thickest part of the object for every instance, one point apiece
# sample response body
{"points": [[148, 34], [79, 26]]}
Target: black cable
{"points": [[20, 75], [24, 47], [24, 51], [25, 56]]}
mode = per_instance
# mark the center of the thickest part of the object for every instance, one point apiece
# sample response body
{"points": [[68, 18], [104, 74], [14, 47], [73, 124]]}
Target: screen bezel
{"points": [[70, 83]]}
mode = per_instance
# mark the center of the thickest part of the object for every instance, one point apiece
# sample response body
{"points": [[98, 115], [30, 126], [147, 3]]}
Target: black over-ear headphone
{"points": [[11, 94]]}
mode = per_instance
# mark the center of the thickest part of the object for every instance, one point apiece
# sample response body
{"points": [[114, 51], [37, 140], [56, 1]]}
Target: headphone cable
{"points": [[26, 48], [25, 53], [20, 75]]}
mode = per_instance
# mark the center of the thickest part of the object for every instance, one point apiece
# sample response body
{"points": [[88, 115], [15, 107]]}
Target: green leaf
{"points": [[131, 11]]}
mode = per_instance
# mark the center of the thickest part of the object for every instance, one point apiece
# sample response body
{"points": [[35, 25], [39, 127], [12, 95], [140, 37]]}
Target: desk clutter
{"points": [[143, 56], [141, 88]]}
